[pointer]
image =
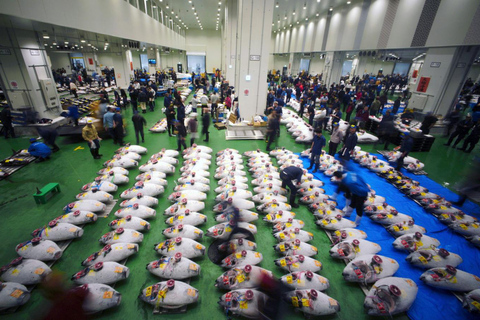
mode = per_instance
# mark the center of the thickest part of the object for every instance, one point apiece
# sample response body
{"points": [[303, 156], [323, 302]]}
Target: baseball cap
{"points": [[33, 139], [335, 124]]}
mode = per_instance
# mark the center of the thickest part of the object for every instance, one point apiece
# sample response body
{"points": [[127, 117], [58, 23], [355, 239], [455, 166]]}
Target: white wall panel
{"points": [[298, 46], [402, 33], [286, 43], [293, 38], [373, 25], [320, 31], [316, 65], [452, 22], [334, 31], [282, 42], [351, 21], [309, 37]]}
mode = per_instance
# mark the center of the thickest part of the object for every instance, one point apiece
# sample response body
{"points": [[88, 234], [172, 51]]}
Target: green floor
{"points": [[73, 168]]}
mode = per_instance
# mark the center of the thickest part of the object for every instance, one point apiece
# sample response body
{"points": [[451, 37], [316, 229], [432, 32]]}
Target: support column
{"points": [[290, 62], [230, 40], [254, 34], [441, 78]]}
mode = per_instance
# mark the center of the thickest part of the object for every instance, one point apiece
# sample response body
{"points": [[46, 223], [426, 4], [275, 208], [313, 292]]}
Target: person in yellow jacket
{"points": [[89, 134]]}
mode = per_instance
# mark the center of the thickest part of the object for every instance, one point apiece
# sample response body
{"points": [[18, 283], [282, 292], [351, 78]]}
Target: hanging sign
{"points": [[90, 61], [14, 84], [423, 84], [246, 92]]}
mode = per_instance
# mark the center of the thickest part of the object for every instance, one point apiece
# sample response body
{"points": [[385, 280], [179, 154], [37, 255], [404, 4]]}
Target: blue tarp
{"points": [[431, 303]]}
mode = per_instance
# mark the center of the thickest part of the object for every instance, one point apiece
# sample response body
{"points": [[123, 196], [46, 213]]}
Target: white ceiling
{"points": [[207, 11]]}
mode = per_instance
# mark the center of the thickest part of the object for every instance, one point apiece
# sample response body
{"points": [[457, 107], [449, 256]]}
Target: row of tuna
{"points": [[424, 251], [102, 269], [49, 242], [364, 265], [175, 266]]}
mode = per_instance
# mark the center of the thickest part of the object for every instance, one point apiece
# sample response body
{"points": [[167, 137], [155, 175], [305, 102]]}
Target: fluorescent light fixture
{"points": [[83, 40], [276, 5], [331, 9], [66, 42], [248, 77], [167, 6], [46, 36], [54, 43], [317, 14], [348, 2], [293, 12], [306, 19], [89, 44]]}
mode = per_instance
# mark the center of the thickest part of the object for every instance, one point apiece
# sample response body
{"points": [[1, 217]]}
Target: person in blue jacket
{"points": [[318, 143], [287, 176], [356, 192], [40, 150]]}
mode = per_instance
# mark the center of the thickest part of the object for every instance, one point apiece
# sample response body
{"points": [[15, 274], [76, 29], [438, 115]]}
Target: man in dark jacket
{"points": [[453, 118], [118, 126], [170, 113], [318, 143], [181, 112], [428, 122], [404, 148], [134, 98], [386, 128], [205, 124], [396, 105], [287, 176], [138, 123], [461, 131], [273, 127], [472, 139], [6, 118], [167, 100], [181, 135], [142, 100], [349, 143]]}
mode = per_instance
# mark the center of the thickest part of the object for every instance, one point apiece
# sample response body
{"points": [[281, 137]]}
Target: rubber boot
{"points": [[357, 220], [92, 151], [346, 208], [311, 165], [316, 167], [348, 211], [292, 202]]}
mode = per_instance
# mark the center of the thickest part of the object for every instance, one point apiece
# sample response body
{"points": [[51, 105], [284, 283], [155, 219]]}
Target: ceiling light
{"points": [[318, 0], [76, 45], [51, 47], [106, 43], [348, 2], [195, 13], [173, 12], [298, 22], [54, 43], [193, 7], [305, 6], [273, 24], [83, 40], [276, 5], [218, 14], [317, 14], [66, 42], [293, 12], [46, 36], [290, 25], [89, 44], [154, 7], [189, 1], [176, 16], [219, 2], [331, 9], [285, 18], [218, 9], [46, 44], [167, 6]]}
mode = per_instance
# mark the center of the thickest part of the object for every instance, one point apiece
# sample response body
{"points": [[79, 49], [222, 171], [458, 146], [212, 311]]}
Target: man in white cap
{"points": [[89, 134]]}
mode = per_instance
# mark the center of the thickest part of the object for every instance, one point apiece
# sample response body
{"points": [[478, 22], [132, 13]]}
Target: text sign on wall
{"points": [[423, 84], [254, 57], [90, 61], [5, 52], [34, 52], [435, 64]]}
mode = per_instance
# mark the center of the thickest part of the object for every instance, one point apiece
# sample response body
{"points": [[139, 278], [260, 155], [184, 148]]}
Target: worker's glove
{"points": [[334, 196]]}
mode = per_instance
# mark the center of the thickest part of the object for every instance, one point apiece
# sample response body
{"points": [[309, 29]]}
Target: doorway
{"points": [[196, 63], [304, 65]]}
